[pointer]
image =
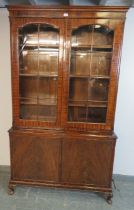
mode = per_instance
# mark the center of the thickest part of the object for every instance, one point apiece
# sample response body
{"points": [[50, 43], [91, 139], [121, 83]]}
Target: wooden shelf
{"points": [[46, 118], [38, 75], [39, 45], [39, 117], [79, 76], [100, 77], [38, 102], [92, 47], [88, 103], [87, 76]]}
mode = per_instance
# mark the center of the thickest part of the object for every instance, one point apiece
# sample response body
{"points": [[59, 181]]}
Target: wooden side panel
{"points": [[34, 157], [88, 162]]}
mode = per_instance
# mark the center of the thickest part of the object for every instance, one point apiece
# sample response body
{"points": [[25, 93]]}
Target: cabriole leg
{"points": [[109, 198], [11, 189]]}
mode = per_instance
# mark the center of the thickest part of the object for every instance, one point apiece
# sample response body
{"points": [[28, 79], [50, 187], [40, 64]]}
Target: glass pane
{"points": [[47, 113], [28, 87], [80, 61], [77, 114], [28, 111], [47, 90], [82, 36], [90, 64], [96, 115], [81, 114], [78, 89], [38, 60], [98, 89], [45, 61], [100, 64], [85, 62], [102, 35], [29, 62], [92, 35], [48, 62], [28, 58]]}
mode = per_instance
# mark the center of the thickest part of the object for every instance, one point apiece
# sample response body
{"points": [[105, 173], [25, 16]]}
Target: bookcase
{"points": [[65, 69]]}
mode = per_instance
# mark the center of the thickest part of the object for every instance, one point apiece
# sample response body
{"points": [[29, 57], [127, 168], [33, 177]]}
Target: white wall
{"points": [[124, 122], [124, 126], [5, 87]]}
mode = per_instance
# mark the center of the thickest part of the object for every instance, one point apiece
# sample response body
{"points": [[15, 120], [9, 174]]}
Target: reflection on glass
{"points": [[90, 65], [39, 51]]}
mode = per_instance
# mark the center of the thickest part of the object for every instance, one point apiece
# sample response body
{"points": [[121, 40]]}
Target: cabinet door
{"points": [[91, 87], [35, 156], [87, 162], [37, 77]]}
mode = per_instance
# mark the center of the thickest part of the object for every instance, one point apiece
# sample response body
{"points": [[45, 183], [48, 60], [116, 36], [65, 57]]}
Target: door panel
{"points": [[87, 161], [35, 157]]}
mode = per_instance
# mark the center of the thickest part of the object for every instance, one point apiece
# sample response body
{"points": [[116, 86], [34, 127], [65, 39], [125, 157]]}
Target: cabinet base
{"points": [[63, 160]]}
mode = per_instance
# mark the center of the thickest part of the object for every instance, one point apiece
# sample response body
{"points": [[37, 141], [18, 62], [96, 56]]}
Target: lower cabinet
{"points": [[62, 160]]}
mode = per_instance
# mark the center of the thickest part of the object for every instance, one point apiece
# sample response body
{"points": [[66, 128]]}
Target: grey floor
{"points": [[28, 198]]}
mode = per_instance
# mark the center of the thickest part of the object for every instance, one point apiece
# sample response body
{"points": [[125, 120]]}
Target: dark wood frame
{"points": [[66, 134]]}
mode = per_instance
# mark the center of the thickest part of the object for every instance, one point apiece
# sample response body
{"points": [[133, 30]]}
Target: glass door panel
{"points": [[91, 54], [39, 52]]}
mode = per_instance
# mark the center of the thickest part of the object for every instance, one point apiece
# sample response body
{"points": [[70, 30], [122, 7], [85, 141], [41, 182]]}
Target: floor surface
{"points": [[31, 198]]}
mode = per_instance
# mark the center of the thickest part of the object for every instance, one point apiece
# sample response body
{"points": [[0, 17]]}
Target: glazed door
{"points": [[38, 73], [92, 73]]}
